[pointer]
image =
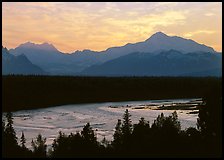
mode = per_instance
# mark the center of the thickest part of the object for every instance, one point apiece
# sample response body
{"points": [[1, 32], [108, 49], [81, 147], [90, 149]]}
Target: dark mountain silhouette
{"points": [[44, 55], [87, 62], [156, 43], [43, 46], [53, 61], [160, 41], [18, 64], [165, 63]]}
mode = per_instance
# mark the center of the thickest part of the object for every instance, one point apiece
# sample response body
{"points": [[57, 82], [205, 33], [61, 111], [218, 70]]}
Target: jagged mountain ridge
{"points": [[159, 42], [55, 62], [18, 64], [165, 63]]}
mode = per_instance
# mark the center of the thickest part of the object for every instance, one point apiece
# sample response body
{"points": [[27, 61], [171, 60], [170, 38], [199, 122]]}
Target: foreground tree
{"points": [[126, 126], [141, 130], [169, 126], [209, 123], [117, 142], [10, 147], [39, 146], [23, 140], [88, 134], [60, 146], [9, 139], [141, 138], [142, 126], [9, 131]]}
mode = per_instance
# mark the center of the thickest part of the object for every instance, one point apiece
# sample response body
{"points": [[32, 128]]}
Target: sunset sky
{"points": [[72, 26]]}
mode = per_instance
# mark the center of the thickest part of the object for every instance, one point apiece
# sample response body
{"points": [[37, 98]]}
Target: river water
{"points": [[102, 117]]}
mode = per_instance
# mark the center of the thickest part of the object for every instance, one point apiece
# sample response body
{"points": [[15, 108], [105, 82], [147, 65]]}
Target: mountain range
{"points": [[18, 64], [166, 63], [159, 55]]}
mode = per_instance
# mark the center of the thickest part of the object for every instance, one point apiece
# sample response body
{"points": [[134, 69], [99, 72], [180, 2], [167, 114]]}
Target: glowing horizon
{"points": [[100, 25]]}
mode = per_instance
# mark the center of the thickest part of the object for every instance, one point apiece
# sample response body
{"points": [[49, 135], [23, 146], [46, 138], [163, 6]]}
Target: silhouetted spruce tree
{"points": [[23, 140], [88, 134], [10, 145], [141, 137], [60, 146], [39, 146], [209, 123], [167, 125], [142, 126], [126, 126], [174, 122], [166, 130], [23, 151], [78, 145], [104, 148], [10, 132], [89, 141], [209, 117], [141, 129], [158, 122], [126, 130], [117, 142], [11, 149]]}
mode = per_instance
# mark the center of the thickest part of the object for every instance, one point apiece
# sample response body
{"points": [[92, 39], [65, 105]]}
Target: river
{"points": [[102, 117]]}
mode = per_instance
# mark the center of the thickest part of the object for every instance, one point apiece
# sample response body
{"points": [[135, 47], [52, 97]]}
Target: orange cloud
{"points": [[97, 26]]}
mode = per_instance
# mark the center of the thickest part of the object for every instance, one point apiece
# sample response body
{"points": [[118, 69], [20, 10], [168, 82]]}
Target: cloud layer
{"points": [[99, 25]]}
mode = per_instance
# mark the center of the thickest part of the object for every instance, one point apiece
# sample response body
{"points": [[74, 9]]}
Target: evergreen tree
{"points": [[23, 140], [60, 145], [126, 131], [141, 137], [9, 119], [39, 146], [88, 134], [117, 135], [79, 146], [209, 123], [143, 122], [209, 117], [126, 126], [141, 128], [175, 122], [158, 123], [58, 141], [9, 131], [11, 149], [167, 125], [89, 142]]}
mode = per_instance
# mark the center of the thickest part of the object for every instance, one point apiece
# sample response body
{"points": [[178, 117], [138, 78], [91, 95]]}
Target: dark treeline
{"points": [[161, 138], [29, 92]]}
